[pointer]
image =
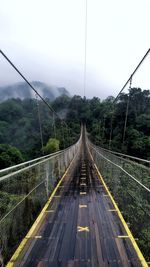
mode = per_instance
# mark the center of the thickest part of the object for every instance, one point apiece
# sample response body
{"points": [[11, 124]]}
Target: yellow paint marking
{"points": [[82, 206], [138, 251], [35, 224], [123, 236], [82, 193], [83, 229], [38, 236]]}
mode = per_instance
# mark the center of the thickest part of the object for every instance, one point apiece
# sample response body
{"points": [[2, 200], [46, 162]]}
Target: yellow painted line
{"points": [[138, 251], [82, 193], [83, 229], [32, 229], [82, 206]]}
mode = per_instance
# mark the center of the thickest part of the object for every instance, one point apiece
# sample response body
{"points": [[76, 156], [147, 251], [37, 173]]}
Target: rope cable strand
{"points": [[127, 111], [32, 87], [132, 74], [85, 46], [40, 124]]}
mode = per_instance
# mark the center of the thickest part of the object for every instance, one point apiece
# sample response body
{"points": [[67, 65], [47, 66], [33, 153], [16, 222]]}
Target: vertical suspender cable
{"points": [[54, 126], [115, 100], [127, 110], [31, 86], [63, 138], [133, 73], [67, 135], [40, 125], [111, 129], [85, 45]]}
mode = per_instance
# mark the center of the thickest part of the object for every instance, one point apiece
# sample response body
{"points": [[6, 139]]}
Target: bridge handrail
{"points": [[45, 158], [28, 162], [124, 155], [131, 176], [53, 155], [31, 162]]}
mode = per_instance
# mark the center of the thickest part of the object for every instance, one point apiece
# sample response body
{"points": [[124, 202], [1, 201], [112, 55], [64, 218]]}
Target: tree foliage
{"points": [[20, 136], [9, 156], [51, 146], [19, 123]]}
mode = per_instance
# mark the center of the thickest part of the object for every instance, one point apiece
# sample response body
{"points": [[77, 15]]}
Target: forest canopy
{"points": [[19, 123]]}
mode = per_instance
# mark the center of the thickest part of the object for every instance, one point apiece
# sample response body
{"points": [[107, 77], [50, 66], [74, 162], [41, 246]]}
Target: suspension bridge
{"points": [[81, 223], [70, 208]]}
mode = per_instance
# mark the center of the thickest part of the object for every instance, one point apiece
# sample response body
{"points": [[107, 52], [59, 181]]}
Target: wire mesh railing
{"points": [[129, 183], [24, 189]]}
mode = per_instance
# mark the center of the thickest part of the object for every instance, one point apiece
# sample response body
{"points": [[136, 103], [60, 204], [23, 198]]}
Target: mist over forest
{"points": [[19, 123]]}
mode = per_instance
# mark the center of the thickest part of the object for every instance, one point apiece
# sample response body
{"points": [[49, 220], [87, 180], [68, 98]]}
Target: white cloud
{"points": [[45, 39]]}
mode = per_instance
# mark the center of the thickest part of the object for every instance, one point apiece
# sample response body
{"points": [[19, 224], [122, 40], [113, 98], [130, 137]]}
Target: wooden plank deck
{"points": [[80, 227]]}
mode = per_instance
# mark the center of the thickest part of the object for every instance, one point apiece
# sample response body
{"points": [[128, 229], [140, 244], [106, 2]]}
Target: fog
{"points": [[46, 41]]}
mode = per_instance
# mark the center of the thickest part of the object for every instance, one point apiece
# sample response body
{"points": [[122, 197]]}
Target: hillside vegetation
{"points": [[22, 90], [20, 140], [19, 123]]}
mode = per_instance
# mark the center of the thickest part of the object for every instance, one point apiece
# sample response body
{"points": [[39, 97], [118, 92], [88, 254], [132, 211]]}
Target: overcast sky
{"points": [[45, 39]]}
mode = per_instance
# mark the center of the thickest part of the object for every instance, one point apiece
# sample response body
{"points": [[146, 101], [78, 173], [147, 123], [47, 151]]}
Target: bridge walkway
{"points": [[80, 226]]}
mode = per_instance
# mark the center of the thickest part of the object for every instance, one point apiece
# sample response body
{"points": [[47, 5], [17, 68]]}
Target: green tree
{"points": [[51, 146], [9, 156]]}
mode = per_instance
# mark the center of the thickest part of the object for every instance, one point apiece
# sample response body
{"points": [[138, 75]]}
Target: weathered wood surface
{"points": [[80, 226]]}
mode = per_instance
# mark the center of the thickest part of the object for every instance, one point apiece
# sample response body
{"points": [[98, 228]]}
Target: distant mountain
{"points": [[22, 90]]}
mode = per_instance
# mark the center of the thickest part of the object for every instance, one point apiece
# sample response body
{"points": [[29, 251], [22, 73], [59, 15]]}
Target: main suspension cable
{"points": [[131, 76], [36, 92], [85, 46], [129, 80]]}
